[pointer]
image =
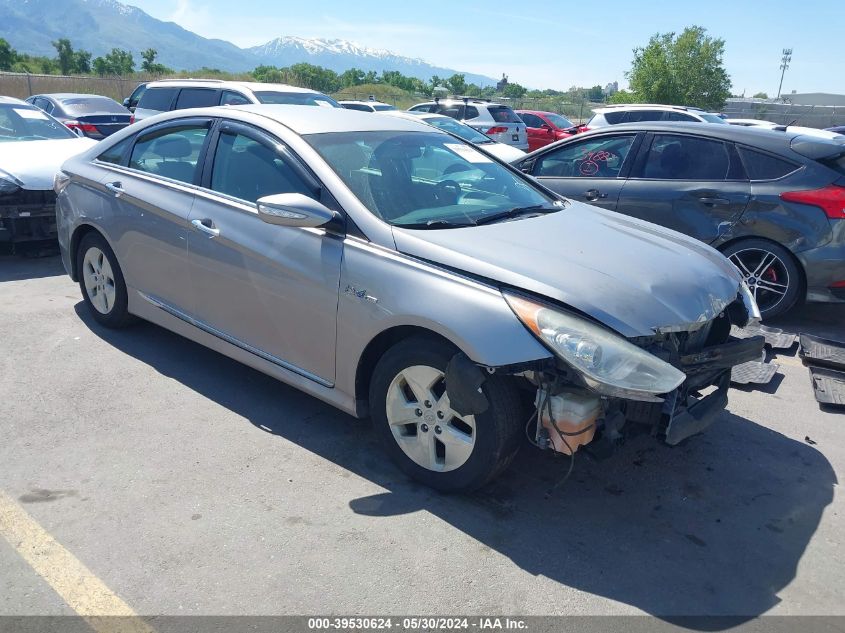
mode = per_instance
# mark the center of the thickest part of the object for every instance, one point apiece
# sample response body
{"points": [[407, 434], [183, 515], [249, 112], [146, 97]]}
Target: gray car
{"points": [[395, 271]]}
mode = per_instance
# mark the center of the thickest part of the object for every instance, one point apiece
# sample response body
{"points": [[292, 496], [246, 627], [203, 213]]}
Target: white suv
{"points": [[497, 121], [639, 112], [179, 94]]}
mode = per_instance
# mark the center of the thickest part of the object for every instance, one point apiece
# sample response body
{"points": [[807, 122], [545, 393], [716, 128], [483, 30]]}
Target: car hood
{"points": [[505, 153], [34, 163], [633, 276]]}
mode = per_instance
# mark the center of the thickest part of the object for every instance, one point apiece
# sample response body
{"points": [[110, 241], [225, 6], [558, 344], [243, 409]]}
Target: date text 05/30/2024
{"points": [[416, 623]]}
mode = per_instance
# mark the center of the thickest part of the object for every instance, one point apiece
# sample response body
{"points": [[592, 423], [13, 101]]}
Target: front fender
{"points": [[381, 289]]}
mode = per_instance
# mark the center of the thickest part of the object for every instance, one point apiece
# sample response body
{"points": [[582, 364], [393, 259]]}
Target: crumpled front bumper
{"points": [[28, 215]]}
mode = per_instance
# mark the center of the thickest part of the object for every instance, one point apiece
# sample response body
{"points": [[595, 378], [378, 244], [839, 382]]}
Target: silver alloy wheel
{"points": [[99, 280], [423, 423], [766, 275]]}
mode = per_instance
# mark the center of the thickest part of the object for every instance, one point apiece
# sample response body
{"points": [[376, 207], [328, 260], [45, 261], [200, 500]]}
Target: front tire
{"points": [[427, 439], [771, 273], [101, 282]]}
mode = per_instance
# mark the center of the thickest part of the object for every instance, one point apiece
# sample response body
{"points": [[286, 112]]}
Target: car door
{"points": [[689, 183], [272, 290], [589, 170], [538, 136], [150, 191]]}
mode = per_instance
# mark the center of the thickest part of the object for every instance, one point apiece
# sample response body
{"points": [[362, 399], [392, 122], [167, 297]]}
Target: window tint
{"points": [[157, 99], [454, 111], [116, 153], [531, 120], [297, 98], [233, 98], [196, 98], [679, 116], [357, 106], [471, 112], [688, 158], [503, 114], [637, 116], [762, 166], [172, 152], [615, 117], [249, 170], [597, 158], [135, 97], [425, 107]]}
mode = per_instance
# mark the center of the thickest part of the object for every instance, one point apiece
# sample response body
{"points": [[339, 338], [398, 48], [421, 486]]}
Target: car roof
{"points": [[468, 100], [646, 106], [14, 101], [318, 120], [368, 102], [59, 96], [545, 112], [220, 83], [755, 136]]}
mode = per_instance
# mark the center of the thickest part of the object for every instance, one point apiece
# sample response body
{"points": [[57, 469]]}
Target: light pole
{"points": [[784, 64]]}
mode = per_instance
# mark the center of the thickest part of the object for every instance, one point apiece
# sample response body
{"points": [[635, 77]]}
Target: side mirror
{"points": [[293, 209], [126, 103], [78, 131]]}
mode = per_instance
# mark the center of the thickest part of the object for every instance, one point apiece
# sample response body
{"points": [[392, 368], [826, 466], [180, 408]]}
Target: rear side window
{"points": [[690, 158], [471, 112], [760, 166], [637, 116], [357, 106], [503, 114], [615, 117], [678, 116], [425, 107], [157, 99], [233, 98], [172, 152], [116, 153], [196, 98], [837, 164], [455, 111]]}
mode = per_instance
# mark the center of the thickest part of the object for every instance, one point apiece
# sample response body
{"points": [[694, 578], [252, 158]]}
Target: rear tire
{"points": [[771, 273], [101, 282], [424, 436]]}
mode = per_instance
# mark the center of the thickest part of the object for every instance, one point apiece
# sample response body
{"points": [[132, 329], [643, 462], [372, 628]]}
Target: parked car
{"points": [[179, 94], [33, 145], [772, 201], [505, 153], [367, 106], [321, 247], [643, 112], [545, 128], [497, 121], [92, 115], [837, 129], [131, 102], [769, 125]]}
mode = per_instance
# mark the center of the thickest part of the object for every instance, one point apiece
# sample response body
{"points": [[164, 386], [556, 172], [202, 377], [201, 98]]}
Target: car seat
{"points": [[173, 150]]}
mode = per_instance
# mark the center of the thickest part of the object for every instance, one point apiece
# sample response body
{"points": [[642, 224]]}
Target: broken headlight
{"points": [[8, 183], [608, 363]]}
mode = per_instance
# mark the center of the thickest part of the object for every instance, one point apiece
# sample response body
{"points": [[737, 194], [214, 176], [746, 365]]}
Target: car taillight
{"points": [[131, 119], [498, 129], [830, 199], [84, 127]]}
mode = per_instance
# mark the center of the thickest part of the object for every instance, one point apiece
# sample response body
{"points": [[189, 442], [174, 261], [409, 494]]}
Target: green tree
{"points": [[149, 65], [686, 69], [761, 95], [81, 62], [7, 55], [623, 96], [457, 84], [65, 55], [351, 77], [268, 75], [514, 91], [596, 93], [117, 62]]}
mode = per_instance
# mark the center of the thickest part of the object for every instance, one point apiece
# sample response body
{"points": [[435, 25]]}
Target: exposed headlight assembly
{"points": [[8, 183], [609, 364]]}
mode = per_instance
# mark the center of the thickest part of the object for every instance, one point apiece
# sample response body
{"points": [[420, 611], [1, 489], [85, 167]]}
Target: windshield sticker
{"points": [[469, 154], [27, 113]]}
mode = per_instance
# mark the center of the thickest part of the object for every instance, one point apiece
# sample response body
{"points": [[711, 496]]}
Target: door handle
{"points": [[116, 188], [594, 194], [714, 200], [206, 226]]}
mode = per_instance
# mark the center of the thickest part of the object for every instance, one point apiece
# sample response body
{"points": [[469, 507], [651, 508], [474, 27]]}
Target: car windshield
{"points": [[297, 98], [712, 118], [89, 105], [26, 123], [560, 121], [459, 129], [427, 180]]}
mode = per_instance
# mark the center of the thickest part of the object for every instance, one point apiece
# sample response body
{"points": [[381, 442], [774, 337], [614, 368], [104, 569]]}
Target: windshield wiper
{"points": [[435, 224], [515, 213]]}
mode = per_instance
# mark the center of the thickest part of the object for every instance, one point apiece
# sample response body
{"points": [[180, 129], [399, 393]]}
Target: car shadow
{"points": [[713, 527], [17, 268]]}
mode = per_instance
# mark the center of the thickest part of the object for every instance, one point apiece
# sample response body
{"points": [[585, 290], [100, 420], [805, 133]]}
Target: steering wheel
{"points": [[448, 192]]}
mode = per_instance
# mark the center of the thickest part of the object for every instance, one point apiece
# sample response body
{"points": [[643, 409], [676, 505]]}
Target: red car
{"points": [[545, 127]]}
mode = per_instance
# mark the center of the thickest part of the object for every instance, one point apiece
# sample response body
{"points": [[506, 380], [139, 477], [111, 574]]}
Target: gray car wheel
{"points": [[101, 282], [426, 438]]}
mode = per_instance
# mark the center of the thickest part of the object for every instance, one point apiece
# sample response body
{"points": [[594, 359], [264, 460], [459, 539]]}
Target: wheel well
{"points": [[376, 349], [747, 238], [81, 231]]}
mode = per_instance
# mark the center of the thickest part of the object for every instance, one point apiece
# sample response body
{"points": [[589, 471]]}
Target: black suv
{"points": [[772, 201]]}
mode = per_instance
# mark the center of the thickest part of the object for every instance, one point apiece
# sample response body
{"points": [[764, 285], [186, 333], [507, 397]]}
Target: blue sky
{"points": [[542, 44]]}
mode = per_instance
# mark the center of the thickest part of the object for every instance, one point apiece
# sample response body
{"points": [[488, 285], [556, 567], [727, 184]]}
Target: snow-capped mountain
{"points": [[31, 26]]}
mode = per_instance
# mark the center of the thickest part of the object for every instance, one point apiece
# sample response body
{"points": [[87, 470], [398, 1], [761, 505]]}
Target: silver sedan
{"points": [[395, 271]]}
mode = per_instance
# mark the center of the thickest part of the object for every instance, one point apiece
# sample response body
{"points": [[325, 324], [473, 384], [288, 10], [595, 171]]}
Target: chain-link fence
{"points": [[786, 113], [23, 85]]}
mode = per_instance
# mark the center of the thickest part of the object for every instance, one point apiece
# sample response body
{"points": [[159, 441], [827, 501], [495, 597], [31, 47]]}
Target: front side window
{"points": [[115, 154], [296, 98], [135, 97], [688, 158], [196, 98], [27, 123], [157, 99], [596, 158], [248, 169], [531, 120], [171, 152], [233, 98], [453, 111], [424, 107], [561, 122], [360, 107], [425, 180]]}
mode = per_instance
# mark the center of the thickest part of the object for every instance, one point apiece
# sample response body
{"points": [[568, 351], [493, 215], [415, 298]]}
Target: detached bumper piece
{"points": [[823, 352], [829, 385], [775, 337], [698, 415], [28, 216]]}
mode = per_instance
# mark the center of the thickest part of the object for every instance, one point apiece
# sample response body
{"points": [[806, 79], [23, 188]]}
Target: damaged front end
{"points": [[600, 386]]}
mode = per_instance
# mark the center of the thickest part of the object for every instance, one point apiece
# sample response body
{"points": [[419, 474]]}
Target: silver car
{"points": [[395, 271], [497, 121]]}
